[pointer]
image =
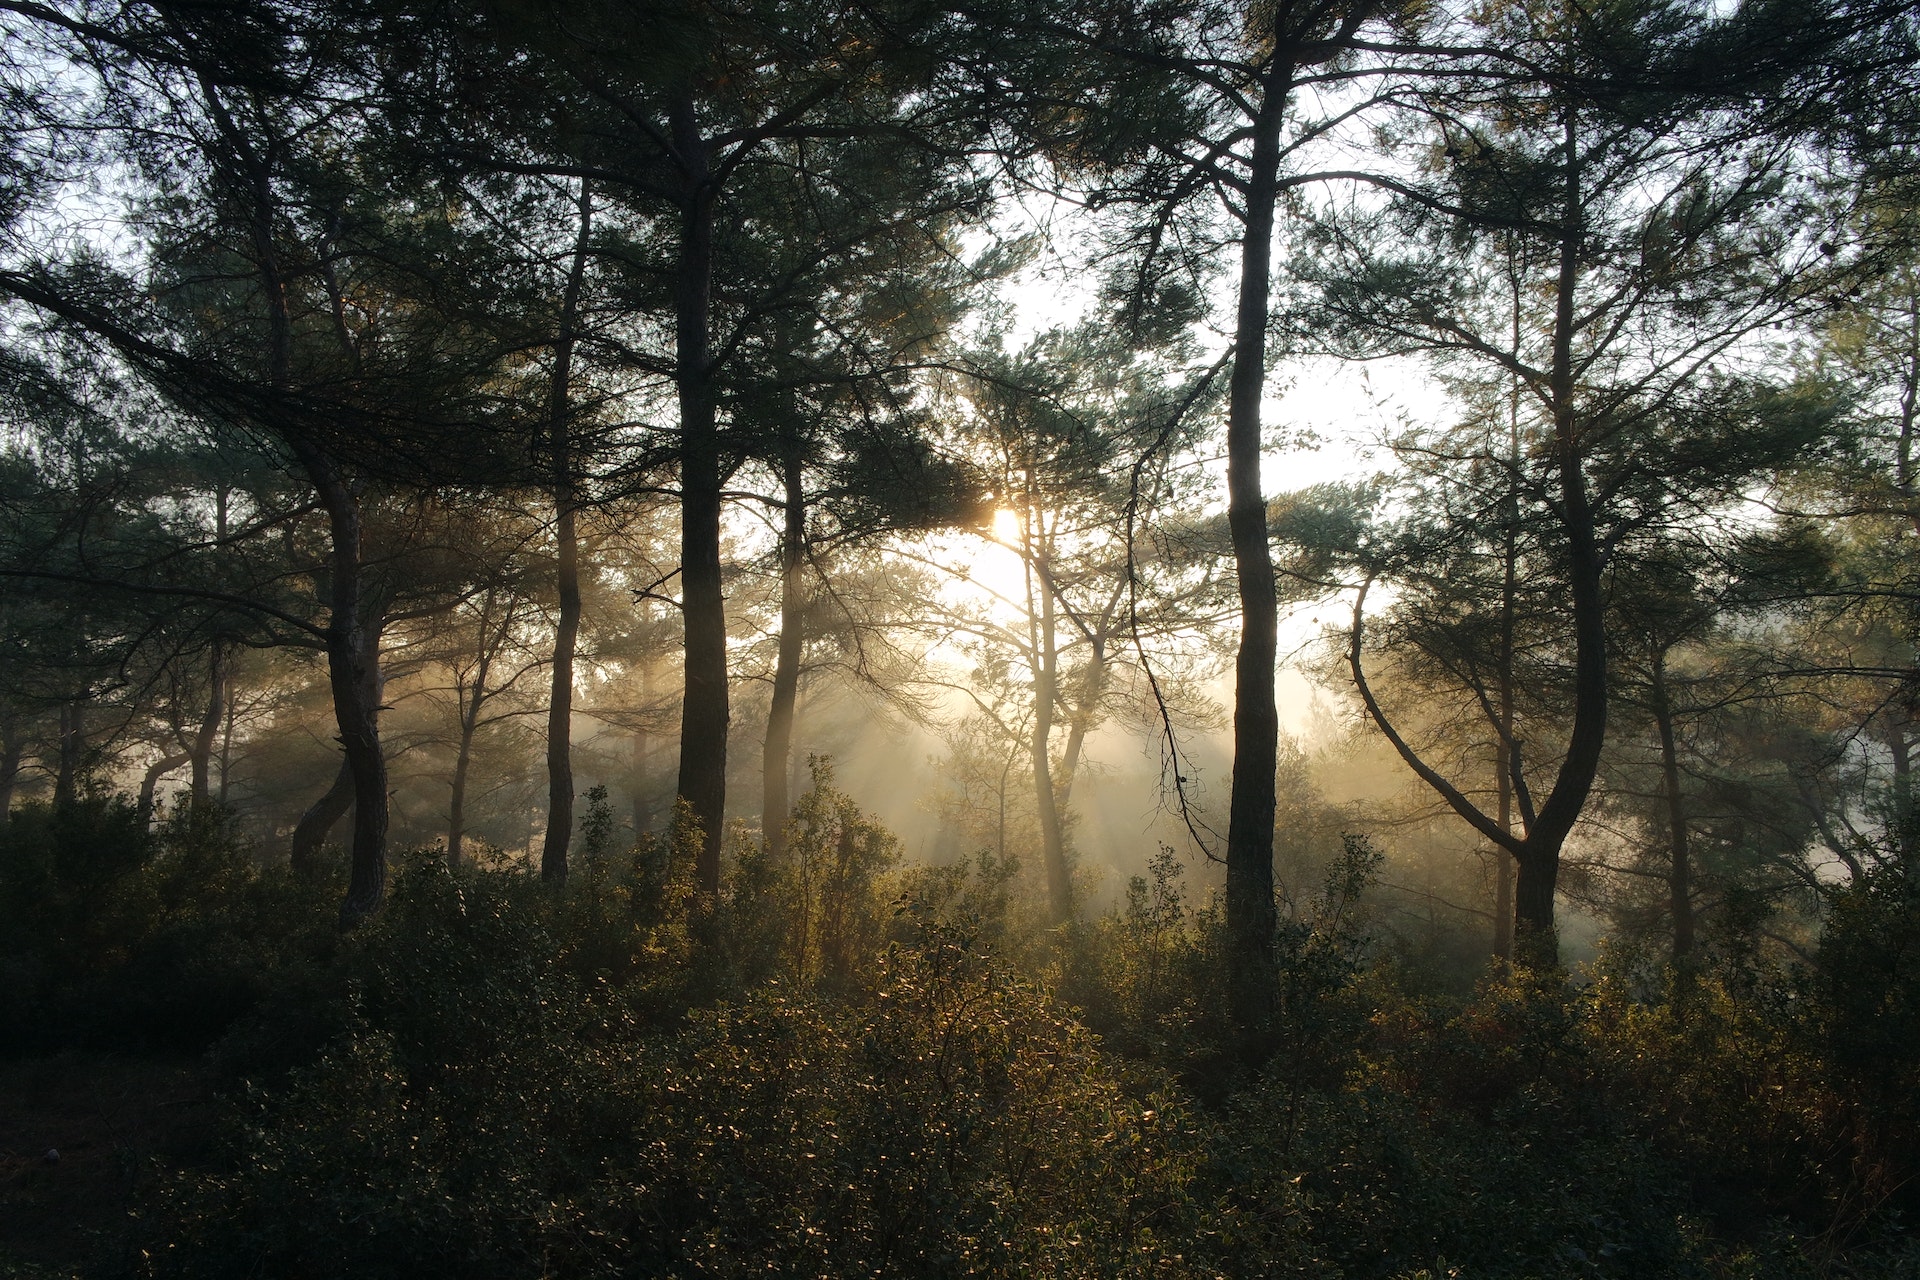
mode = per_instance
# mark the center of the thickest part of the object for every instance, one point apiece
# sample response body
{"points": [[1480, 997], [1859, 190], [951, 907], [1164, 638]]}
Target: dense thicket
{"points": [[470, 428]]}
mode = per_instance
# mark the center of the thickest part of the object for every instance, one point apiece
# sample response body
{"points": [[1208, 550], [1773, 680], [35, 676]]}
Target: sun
{"points": [[1006, 526]]}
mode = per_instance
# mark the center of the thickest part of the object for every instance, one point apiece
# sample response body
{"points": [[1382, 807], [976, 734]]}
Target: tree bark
{"points": [[1256, 723], [559, 834], [353, 671], [778, 751], [352, 640], [150, 782], [1043, 644], [457, 801], [1503, 864], [310, 833], [1079, 719], [1540, 865], [705, 713], [1680, 864], [200, 754]]}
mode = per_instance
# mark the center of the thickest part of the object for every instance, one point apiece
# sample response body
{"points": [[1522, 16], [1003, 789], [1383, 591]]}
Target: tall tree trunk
{"points": [[1536, 940], [1506, 758], [1503, 862], [1256, 721], [353, 646], [1680, 864], [353, 672], [559, 836], [462, 761], [473, 698], [705, 713], [457, 802], [1093, 689], [1042, 643], [786, 668], [310, 833], [200, 753]]}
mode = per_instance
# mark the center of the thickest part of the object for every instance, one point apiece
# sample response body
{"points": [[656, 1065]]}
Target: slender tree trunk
{"points": [[1506, 759], [1680, 865], [705, 713], [200, 753], [353, 671], [150, 782], [310, 833], [1256, 722], [457, 803], [1503, 863], [72, 748], [352, 644], [473, 698], [1536, 942], [462, 761], [786, 669], [1042, 643], [553, 849], [1093, 690]]}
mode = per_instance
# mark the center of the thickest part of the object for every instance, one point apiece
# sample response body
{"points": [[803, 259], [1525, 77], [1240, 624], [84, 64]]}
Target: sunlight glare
{"points": [[1006, 526]]}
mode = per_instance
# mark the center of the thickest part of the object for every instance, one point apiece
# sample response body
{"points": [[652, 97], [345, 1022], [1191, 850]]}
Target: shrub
{"points": [[486, 1116]]}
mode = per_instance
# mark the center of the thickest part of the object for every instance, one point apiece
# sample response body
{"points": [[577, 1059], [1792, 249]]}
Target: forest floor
{"points": [[115, 1123]]}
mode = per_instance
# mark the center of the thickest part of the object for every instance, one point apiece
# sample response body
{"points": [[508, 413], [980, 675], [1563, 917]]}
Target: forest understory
{"points": [[1021, 638], [853, 1067]]}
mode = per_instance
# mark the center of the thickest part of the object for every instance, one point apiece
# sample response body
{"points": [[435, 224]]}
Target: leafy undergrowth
{"points": [[847, 1068]]}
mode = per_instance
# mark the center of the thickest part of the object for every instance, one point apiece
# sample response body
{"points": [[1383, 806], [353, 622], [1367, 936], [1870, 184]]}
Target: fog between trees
{"points": [[617, 444]]}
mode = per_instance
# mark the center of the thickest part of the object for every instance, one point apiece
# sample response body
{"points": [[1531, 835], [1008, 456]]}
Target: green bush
{"points": [[487, 1114], [116, 936]]}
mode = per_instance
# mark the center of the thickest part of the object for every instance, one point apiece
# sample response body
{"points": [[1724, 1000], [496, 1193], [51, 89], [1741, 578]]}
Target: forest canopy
{"points": [[1163, 636]]}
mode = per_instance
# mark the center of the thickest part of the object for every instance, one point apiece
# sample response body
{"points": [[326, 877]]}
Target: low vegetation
{"points": [[501, 1078]]}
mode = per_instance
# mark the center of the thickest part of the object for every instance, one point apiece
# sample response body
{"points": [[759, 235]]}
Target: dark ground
{"points": [[115, 1122]]}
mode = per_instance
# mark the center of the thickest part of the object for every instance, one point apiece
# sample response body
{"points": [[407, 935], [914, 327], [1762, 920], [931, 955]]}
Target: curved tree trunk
{"points": [[150, 782], [1256, 721], [1536, 937], [353, 671], [352, 639], [310, 833]]}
